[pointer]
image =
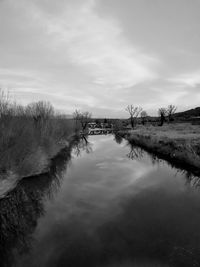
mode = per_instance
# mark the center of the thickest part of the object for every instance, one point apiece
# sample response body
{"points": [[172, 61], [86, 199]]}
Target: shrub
{"points": [[27, 132]]}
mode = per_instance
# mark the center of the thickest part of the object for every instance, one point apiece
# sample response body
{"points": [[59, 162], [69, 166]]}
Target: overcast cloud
{"points": [[101, 55]]}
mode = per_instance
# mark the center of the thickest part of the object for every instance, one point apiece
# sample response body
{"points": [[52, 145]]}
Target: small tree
{"points": [[40, 111], [162, 112], [143, 115], [85, 119], [76, 116], [171, 109], [117, 125], [82, 117], [134, 113], [4, 103]]}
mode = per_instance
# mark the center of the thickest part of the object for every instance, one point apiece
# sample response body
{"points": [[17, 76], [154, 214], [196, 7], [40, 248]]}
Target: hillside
{"points": [[188, 113]]}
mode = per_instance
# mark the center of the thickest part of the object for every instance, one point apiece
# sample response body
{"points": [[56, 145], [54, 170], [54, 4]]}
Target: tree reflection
{"points": [[135, 152], [82, 144], [22, 207], [118, 139], [18, 219], [192, 176]]}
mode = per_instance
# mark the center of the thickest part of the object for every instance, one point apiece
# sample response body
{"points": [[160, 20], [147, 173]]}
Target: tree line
{"points": [[82, 118], [165, 114]]}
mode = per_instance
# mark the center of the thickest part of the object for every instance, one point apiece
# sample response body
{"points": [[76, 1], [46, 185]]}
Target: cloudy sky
{"points": [[101, 55]]}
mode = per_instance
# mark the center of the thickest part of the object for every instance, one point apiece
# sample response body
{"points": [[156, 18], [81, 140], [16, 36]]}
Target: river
{"points": [[105, 204]]}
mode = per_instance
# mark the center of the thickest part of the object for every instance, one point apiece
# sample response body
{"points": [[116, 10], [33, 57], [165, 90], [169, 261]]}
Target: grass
{"points": [[177, 142], [30, 137]]}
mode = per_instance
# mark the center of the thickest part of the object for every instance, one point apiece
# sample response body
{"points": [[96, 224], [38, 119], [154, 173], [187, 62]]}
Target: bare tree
{"points": [[134, 113], [82, 117], [76, 116], [143, 115], [171, 109], [4, 103], [85, 118], [17, 110], [162, 112], [40, 111], [8, 109]]}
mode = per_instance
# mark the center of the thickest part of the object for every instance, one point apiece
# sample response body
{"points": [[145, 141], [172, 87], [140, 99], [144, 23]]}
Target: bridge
{"points": [[97, 131]]}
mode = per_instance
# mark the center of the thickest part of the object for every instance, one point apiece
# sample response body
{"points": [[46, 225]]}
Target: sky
{"points": [[101, 55]]}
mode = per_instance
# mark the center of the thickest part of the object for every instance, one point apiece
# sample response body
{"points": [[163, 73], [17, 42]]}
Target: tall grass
{"points": [[29, 136], [179, 143]]}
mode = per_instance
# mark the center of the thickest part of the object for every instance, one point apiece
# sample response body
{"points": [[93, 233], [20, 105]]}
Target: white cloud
{"points": [[71, 54], [67, 52], [97, 45], [187, 79]]}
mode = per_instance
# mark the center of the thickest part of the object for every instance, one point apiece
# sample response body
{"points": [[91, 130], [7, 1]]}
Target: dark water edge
{"points": [[21, 207], [10, 180], [158, 226], [158, 153]]}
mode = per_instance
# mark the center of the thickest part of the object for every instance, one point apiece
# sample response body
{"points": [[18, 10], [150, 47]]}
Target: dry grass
{"points": [[174, 131], [178, 142], [30, 137]]}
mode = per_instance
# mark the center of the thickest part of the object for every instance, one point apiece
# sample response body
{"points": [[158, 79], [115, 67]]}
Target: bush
{"points": [[29, 135]]}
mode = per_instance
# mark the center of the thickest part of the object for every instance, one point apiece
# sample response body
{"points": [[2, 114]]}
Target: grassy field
{"points": [[177, 142]]}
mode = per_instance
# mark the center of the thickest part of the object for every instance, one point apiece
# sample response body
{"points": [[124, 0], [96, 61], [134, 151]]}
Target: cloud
{"points": [[67, 51], [97, 44], [87, 40], [187, 79], [70, 53]]}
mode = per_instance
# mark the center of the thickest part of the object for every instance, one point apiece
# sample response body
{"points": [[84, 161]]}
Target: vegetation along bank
{"points": [[178, 142]]}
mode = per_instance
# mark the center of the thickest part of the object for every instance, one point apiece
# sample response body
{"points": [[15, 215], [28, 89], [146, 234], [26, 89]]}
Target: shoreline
{"points": [[10, 181], [178, 151]]}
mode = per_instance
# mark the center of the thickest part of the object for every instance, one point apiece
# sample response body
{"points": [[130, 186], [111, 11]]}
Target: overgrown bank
{"points": [[30, 136], [178, 143]]}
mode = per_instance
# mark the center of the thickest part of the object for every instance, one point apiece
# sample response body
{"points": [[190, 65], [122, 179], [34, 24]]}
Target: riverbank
{"points": [[30, 137], [43, 164], [178, 143]]}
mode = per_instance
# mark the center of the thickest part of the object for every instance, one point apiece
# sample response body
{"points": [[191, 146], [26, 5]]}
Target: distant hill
{"points": [[191, 113]]}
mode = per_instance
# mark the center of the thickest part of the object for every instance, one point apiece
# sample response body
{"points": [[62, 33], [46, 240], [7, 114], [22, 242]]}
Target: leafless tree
{"points": [[85, 118], [17, 110], [76, 117], [162, 112], [134, 113], [4, 103], [8, 109], [143, 115], [82, 117], [40, 111], [171, 109]]}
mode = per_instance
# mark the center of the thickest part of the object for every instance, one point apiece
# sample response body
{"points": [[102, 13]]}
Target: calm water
{"points": [[105, 203]]}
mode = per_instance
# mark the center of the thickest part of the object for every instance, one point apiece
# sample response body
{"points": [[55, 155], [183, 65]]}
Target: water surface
{"points": [[107, 203]]}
